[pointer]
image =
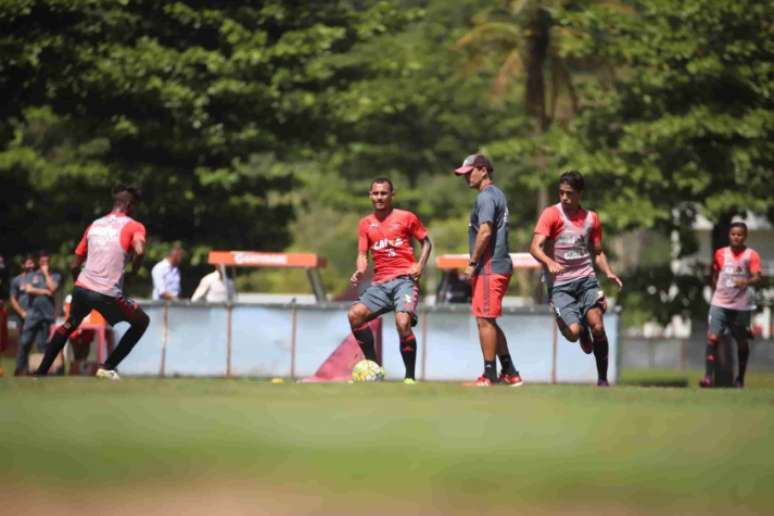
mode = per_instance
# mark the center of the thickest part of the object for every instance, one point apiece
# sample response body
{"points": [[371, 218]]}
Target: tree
{"points": [[688, 128], [539, 43], [206, 107]]}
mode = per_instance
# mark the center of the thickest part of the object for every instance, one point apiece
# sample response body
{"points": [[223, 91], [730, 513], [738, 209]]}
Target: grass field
{"points": [[247, 446]]}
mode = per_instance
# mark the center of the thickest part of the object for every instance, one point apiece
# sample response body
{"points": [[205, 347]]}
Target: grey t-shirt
{"points": [[16, 289], [491, 207], [42, 307]]}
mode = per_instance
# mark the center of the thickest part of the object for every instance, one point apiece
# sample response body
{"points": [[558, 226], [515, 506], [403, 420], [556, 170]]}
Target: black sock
{"points": [[710, 359], [743, 354], [127, 342], [365, 339], [490, 369], [600, 356], [408, 350], [54, 347], [507, 364]]}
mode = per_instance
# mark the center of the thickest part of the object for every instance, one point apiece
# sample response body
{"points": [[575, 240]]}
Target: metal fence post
{"points": [[293, 332], [164, 337], [228, 339]]}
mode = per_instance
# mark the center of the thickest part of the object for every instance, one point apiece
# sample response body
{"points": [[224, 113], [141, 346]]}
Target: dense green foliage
{"points": [[259, 126]]}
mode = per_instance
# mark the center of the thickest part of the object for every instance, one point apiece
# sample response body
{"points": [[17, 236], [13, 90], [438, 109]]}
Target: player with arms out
{"points": [[107, 244], [489, 269], [568, 242], [734, 269], [387, 233]]}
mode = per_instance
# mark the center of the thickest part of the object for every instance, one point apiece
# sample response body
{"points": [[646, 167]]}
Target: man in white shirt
{"points": [[215, 288], [166, 275]]}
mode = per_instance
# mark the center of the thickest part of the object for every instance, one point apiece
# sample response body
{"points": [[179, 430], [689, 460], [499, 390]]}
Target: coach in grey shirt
{"points": [[490, 269]]}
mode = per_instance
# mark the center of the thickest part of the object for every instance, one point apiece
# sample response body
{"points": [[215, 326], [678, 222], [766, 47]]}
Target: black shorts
{"points": [[113, 309]]}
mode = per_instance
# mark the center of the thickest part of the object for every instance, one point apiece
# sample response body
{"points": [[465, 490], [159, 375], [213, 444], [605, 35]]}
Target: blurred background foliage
{"points": [[259, 125]]}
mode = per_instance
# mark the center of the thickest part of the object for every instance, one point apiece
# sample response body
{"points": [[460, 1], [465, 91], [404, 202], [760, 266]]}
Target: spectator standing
{"points": [[166, 275], [215, 287], [43, 284], [20, 300]]}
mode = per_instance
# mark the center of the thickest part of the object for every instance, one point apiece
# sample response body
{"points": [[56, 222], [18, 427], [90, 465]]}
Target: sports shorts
{"points": [[113, 309], [400, 294], [572, 300], [488, 293], [735, 322]]}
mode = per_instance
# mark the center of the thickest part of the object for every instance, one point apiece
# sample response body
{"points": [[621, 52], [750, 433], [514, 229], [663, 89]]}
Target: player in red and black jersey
{"points": [[108, 244], [387, 234]]}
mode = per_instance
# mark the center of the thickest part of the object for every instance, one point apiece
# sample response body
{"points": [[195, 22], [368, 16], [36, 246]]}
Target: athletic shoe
{"points": [[706, 382], [409, 381], [585, 340], [602, 383], [739, 383], [107, 374], [514, 380], [482, 381]]}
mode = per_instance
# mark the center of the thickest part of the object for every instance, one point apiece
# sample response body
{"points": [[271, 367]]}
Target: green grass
{"points": [[540, 446]]}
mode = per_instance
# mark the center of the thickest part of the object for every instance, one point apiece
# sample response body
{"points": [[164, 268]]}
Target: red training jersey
{"points": [[755, 259], [106, 247], [551, 224], [731, 265], [389, 241]]}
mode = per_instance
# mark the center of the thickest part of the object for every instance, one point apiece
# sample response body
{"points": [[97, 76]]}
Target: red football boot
{"points": [[482, 381], [512, 380]]}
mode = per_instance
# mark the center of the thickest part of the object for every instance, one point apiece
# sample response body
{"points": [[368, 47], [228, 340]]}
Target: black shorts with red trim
{"points": [[113, 309]]}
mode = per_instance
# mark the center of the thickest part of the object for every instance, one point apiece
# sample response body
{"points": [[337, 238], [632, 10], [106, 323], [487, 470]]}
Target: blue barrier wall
{"points": [[294, 340]]}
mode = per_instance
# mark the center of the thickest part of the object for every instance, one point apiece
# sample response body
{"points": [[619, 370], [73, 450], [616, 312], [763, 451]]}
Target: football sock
{"points": [[127, 342], [490, 369], [54, 347], [711, 358], [365, 339], [507, 364], [600, 356], [743, 354], [408, 350]]}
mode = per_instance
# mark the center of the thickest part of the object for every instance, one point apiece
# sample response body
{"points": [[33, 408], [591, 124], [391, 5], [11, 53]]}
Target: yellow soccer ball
{"points": [[367, 371]]}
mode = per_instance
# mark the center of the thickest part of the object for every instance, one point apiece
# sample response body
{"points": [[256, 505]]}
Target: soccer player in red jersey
{"points": [[106, 246], [734, 269], [489, 269], [387, 234], [568, 242]]}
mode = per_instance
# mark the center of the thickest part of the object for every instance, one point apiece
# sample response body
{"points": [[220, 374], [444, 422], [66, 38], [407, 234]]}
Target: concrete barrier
{"points": [[291, 340]]}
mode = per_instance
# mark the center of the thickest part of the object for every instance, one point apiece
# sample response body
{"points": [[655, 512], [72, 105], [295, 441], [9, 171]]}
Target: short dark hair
{"points": [[29, 256], [43, 253], [738, 225], [382, 180], [126, 193], [574, 179]]}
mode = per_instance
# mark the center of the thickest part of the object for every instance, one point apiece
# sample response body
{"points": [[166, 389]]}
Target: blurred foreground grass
{"points": [[635, 448]]}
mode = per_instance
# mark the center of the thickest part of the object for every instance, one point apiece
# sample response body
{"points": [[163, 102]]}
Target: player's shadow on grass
{"points": [[657, 382]]}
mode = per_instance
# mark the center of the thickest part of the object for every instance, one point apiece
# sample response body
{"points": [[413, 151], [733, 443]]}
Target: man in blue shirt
{"points": [[166, 275]]}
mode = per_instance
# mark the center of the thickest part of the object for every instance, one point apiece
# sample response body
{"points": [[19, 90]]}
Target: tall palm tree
{"points": [[523, 38]]}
